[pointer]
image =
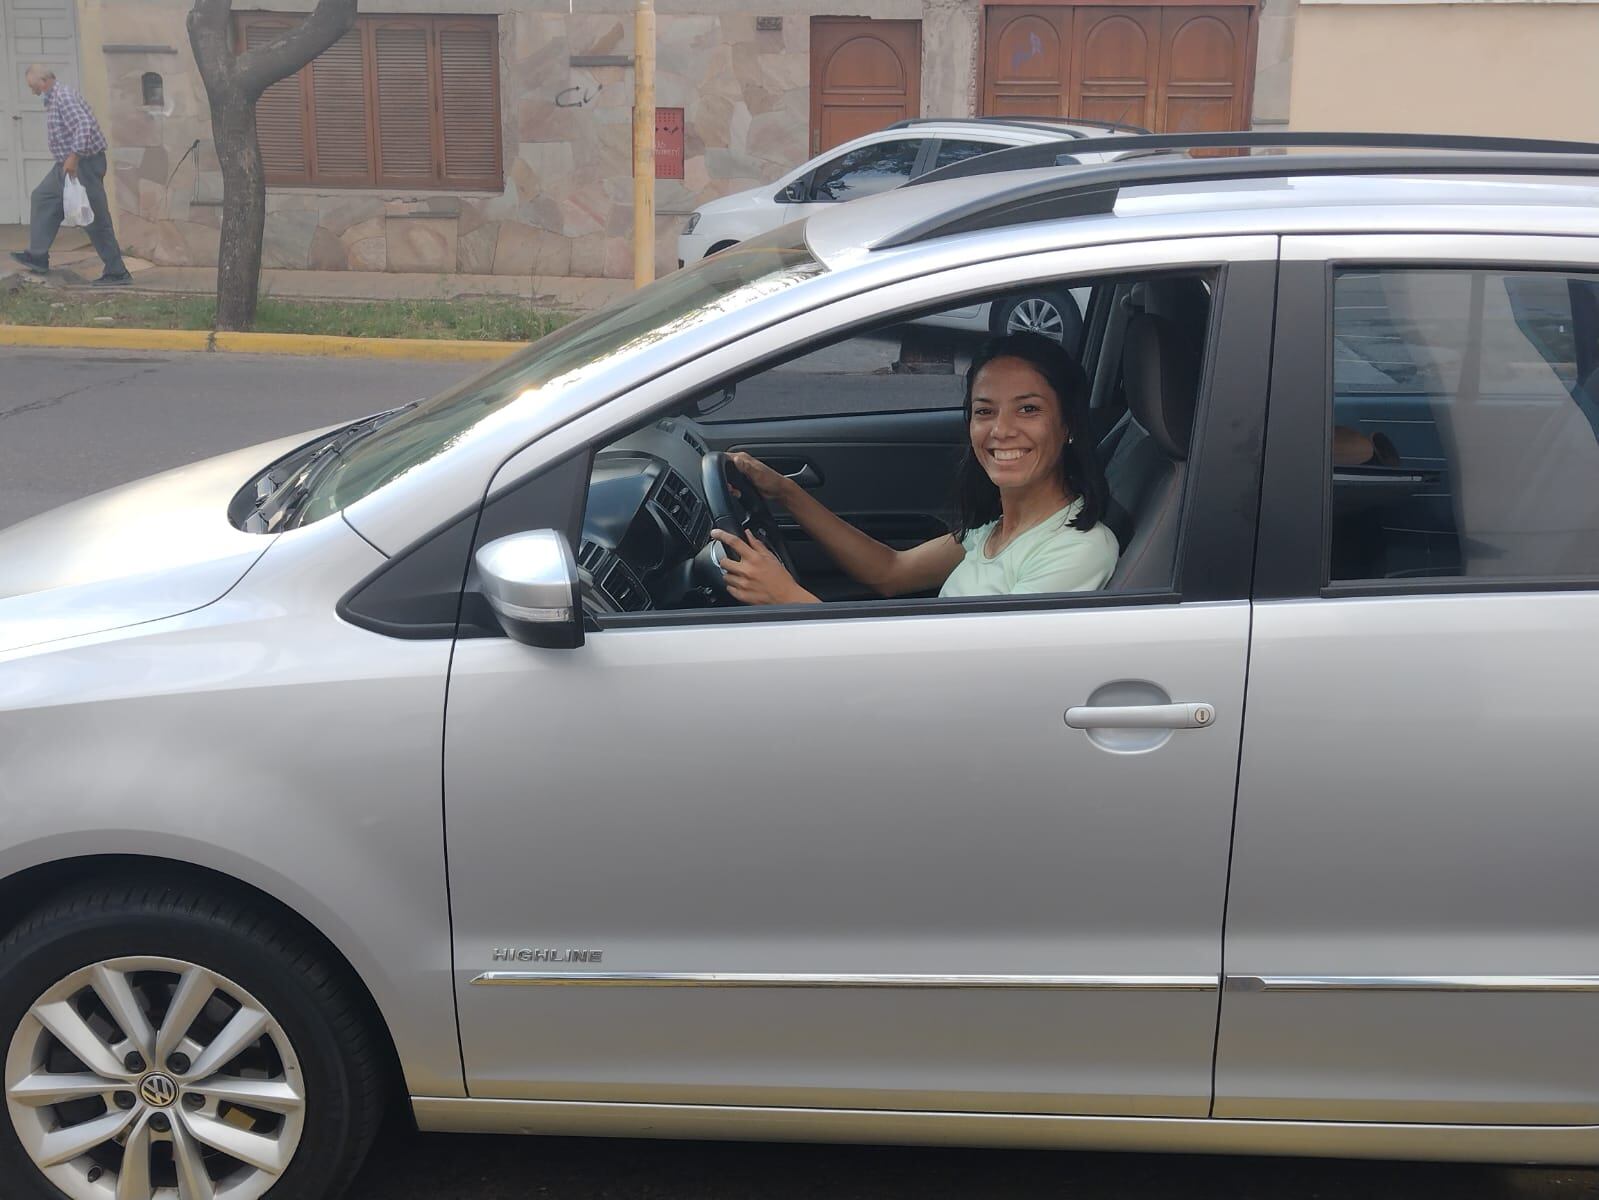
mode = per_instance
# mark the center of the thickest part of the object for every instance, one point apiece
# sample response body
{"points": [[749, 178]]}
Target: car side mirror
{"points": [[530, 581], [794, 193]]}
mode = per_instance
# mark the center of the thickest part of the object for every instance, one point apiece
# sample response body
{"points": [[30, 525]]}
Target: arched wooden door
{"points": [[865, 75], [1176, 68]]}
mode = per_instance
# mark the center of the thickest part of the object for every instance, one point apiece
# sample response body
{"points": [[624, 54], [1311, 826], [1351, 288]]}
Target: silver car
{"points": [[423, 763]]}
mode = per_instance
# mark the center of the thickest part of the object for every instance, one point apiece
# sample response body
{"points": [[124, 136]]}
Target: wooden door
{"points": [[1202, 70], [1170, 68], [865, 75], [1029, 53], [1118, 54]]}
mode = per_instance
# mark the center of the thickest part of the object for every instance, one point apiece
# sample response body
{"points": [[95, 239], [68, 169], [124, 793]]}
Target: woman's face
{"points": [[1017, 430]]}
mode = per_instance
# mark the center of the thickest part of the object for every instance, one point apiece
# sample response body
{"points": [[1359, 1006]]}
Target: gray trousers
{"points": [[48, 213]]}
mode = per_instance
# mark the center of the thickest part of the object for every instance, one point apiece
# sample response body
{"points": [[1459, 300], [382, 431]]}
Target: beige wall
{"points": [[1523, 69]]}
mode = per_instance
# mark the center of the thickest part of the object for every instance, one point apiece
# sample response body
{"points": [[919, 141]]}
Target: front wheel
{"points": [[167, 1043], [1054, 314]]}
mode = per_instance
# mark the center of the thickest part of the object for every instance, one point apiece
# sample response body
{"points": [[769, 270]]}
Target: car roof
{"points": [[1174, 207]]}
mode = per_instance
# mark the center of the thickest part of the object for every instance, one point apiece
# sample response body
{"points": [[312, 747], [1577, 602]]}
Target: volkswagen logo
{"points": [[158, 1091]]}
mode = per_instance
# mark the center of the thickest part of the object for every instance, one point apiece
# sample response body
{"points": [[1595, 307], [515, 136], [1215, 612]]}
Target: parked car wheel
{"points": [[719, 247], [163, 1042], [1051, 313]]}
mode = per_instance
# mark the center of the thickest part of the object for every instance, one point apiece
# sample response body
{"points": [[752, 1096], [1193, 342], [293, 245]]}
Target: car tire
{"points": [[276, 1064], [719, 247], [1052, 313]]}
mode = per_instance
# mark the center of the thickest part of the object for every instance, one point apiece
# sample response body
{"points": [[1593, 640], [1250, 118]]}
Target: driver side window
{"points": [[866, 171], [872, 429]]}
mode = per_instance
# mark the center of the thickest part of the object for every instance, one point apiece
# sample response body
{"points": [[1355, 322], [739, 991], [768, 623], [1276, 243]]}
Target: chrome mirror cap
{"points": [[530, 581]]}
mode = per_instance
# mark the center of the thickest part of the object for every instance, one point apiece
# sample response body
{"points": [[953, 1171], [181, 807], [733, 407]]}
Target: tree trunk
{"points": [[243, 214], [233, 83]]}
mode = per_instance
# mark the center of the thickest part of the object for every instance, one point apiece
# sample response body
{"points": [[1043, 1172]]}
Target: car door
{"points": [[1413, 921], [854, 855]]}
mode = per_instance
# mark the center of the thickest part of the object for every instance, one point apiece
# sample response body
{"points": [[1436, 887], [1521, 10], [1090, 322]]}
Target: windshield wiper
{"points": [[281, 505]]}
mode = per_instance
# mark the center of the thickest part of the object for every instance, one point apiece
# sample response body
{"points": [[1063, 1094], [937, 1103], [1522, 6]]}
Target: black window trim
{"points": [[1298, 478]]}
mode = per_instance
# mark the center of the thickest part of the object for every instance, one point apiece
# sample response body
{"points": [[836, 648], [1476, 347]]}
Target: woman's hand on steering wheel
{"points": [[770, 484], [757, 577]]}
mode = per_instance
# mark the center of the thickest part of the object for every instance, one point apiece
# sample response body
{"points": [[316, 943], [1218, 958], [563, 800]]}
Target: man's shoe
{"points": [[37, 266], [109, 280]]}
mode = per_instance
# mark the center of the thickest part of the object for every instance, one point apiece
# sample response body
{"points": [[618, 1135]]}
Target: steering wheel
{"points": [[737, 508]]}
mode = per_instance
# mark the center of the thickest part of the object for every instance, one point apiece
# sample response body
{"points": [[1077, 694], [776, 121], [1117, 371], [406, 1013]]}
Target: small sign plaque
{"points": [[768, 24], [668, 143]]}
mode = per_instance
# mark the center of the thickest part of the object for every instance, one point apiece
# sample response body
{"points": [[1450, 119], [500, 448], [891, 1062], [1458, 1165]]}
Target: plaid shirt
{"points": [[69, 125]]}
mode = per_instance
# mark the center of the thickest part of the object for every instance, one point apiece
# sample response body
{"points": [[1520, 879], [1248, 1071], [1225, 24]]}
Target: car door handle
{"points": [[797, 469], [1141, 716]]}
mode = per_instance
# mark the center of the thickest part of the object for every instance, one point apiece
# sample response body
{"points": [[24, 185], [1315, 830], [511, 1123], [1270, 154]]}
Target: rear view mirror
{"points": [[794, 193], [530, 581]]}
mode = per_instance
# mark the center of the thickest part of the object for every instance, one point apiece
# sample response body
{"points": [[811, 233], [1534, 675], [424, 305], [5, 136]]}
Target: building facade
{"points": [[494, 136]]}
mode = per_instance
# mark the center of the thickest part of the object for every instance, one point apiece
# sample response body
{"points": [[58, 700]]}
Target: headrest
{"points": [[1161, 369]]}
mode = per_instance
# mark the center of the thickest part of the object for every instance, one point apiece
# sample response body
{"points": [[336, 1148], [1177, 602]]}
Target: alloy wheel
{"points": [[154, 1079], [1035, 314]]}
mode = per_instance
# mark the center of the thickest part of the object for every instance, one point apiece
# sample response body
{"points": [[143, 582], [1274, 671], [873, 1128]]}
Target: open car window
{"points": [[872, 425]]}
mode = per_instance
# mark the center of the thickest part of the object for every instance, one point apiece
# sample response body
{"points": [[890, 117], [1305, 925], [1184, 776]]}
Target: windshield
{"points": [[682, 300]]}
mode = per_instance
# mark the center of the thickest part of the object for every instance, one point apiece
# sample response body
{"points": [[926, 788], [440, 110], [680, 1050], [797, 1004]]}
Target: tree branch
{"points": [[210, 35], [260, 68]]}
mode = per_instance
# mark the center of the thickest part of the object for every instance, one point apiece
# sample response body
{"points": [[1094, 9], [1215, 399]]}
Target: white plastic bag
{"points": [[75, 199]]}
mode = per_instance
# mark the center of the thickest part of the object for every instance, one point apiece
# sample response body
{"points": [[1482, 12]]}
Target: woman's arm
{"points": [[887, 571]]}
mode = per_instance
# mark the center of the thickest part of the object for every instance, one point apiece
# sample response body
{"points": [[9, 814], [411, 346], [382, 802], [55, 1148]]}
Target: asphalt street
{"points": [[72, 423], [75, 422]]}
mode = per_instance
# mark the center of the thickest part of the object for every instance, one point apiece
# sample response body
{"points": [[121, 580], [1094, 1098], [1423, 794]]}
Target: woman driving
{"points": [[1030, 491]]}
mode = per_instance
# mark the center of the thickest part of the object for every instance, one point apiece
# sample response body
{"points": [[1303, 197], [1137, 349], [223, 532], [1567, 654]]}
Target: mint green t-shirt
{"points": [[1052, 556]]}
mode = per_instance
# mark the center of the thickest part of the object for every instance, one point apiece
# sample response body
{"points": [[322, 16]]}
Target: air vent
{"points": [[679, 504], [590, 555], [698, 446], [624, 589]]}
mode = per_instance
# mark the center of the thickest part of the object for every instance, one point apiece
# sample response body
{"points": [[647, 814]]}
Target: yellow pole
{"points": [[644, 144]]}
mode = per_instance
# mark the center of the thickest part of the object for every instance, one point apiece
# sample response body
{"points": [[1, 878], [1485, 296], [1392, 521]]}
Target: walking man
{"points": [[79, 149]]}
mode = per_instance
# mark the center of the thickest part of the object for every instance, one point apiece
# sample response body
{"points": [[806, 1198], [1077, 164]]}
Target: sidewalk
{"points": [[73, 262]]}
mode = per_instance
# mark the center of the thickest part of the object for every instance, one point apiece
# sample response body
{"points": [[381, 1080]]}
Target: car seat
{"points": [[1148, 450]]}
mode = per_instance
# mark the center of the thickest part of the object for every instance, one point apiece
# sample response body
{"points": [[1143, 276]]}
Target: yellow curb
{"points": [[309, 345], [104, 339], [321, 346]]}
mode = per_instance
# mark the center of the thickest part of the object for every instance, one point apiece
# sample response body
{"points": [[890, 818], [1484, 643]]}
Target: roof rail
{"points": [[1064, 152], [1093, 189], [1048, 124]]}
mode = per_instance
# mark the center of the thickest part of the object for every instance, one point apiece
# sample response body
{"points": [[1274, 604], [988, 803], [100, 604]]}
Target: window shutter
{"points": [[469, 101], [404, 103], [280, 112], [341, 134]]}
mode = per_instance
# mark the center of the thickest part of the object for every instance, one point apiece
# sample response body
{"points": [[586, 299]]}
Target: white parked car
{"points": [[880, 162]]}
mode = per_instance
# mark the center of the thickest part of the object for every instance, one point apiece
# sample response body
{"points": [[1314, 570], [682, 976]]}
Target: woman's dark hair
{"points": [[976, 497]]}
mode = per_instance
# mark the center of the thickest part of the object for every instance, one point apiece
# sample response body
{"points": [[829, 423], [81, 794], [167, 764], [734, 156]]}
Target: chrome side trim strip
{"points": [[1413, 983], [1146, 983], [1566, 1144]]}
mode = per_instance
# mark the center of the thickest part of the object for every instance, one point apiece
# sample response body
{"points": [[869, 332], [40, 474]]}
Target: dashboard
{"points": [[647, 522]]}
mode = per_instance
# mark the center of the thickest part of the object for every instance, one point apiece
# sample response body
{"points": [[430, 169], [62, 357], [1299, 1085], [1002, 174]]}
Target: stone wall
{"points": [[567, 204], [566, 132]]}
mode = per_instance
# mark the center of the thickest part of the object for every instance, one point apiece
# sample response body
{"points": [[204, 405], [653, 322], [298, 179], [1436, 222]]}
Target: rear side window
{"points": [[1465, 440], [953, 152], [867, 170]]}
